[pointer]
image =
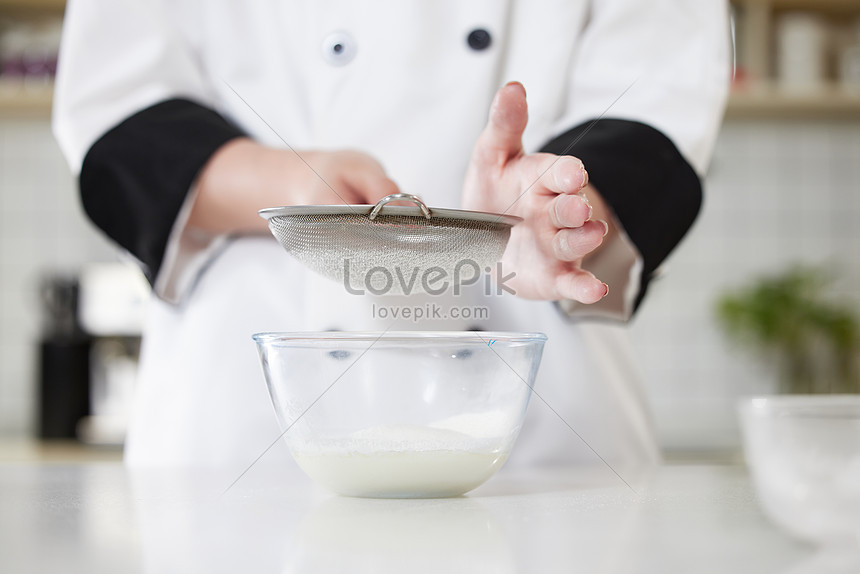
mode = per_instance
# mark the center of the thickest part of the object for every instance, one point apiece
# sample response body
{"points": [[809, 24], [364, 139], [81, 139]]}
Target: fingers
{"points": [[372, 187], [569, 211], [582, 286], [364, 178], [574, 244], [550, 173], [502, 137]]}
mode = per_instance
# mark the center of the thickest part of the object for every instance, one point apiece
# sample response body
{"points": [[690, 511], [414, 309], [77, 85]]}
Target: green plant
{"points": [[789, 319]]}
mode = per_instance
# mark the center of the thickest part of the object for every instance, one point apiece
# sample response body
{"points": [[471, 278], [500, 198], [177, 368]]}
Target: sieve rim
{"points": [[394, 210]]}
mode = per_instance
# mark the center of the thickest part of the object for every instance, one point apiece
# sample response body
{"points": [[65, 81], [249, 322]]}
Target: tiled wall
{"points": [[42, 230], [777, 193]]}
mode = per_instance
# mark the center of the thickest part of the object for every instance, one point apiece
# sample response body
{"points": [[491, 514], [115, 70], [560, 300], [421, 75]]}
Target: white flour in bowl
{"points": [[416, 474], [447, 458]]}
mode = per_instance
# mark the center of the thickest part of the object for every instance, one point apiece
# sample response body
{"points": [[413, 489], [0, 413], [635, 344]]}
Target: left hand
{"points": [[546, 250]]}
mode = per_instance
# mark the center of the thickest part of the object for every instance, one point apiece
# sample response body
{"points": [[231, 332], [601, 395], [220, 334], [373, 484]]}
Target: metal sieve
{"points": [[391, 249]]}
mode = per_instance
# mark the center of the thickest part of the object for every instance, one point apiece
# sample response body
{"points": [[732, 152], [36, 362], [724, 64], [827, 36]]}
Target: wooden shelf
{"points": [[17, 100], [33, 5], [759, 94], [810, 5], [768, 100]]}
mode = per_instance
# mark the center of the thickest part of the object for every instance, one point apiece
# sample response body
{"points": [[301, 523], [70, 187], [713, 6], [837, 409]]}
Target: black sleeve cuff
{"points": [[654, 192], [136, 177]]}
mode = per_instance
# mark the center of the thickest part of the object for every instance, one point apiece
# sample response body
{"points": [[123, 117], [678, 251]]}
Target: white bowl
{"points": [[804, 455]]}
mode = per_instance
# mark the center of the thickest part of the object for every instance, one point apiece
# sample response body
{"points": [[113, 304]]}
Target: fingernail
{"points": [[587, 204], [563, 243], [514, 83], [605, 227], [584, 177], [555, 213], [606, 290]]}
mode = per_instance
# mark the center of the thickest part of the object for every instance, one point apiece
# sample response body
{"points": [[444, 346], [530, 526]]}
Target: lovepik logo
{"points": [[434, 280]]}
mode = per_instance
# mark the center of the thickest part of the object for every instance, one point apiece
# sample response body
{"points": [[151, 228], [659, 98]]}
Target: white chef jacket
{"points": [[405, 86]]}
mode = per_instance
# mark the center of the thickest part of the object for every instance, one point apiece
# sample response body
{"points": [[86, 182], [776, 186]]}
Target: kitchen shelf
{"points": [[759, 94], [25, 100], [33, 5], [768, 100], [30, 98], [831, 6]]}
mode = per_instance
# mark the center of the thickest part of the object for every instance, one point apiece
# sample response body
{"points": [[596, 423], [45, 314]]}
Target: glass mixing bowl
{"points": [[804, 455], [400, 414]]}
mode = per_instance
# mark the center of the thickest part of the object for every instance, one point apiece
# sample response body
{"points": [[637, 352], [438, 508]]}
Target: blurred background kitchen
{"points": [[760, 298]]}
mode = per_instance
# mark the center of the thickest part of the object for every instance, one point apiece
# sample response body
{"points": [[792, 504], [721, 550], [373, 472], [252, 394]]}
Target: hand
{"points": [[340, 177], [243, 177], [546, 250]]}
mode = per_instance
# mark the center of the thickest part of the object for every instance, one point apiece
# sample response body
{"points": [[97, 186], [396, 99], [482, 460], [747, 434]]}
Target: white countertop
{"points": [[97, 517]]}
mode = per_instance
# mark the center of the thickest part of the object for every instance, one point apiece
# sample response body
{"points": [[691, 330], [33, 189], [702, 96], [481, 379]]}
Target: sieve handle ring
{"points": [[400, 196]]}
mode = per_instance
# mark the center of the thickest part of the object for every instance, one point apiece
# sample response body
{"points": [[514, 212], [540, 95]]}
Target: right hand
{"points": [[341, 177], [243, 177]]}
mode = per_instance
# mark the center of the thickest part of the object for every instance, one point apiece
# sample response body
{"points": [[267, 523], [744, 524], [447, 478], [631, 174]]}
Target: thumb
{"points": [[372, 187], [365, 178], [502, 139]]}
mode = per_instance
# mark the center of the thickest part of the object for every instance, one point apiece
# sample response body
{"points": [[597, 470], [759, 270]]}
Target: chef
{"points": [[592, 120]]}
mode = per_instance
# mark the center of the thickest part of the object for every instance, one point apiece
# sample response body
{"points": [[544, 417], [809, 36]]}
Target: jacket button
{"points": [[338, 48], [479, 39]]}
